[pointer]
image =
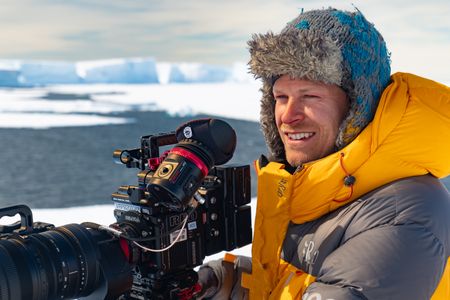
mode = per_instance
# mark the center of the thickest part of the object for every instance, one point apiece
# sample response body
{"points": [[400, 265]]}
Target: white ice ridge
{"points": [[45, 120], [83, 105]]}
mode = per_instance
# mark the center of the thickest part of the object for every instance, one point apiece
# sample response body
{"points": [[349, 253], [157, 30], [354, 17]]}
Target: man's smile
{"points": [[299, 136]]}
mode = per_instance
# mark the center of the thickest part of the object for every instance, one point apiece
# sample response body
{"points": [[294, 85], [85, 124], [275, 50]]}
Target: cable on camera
{"points": [[120, 234]]}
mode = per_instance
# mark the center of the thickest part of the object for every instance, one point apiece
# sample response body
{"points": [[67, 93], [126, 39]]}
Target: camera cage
{"points": [[148, 154]]}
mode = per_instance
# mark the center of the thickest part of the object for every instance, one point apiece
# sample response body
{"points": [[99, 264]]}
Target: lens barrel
{"points": [[202, 144], [62, 263], [180, 174]]}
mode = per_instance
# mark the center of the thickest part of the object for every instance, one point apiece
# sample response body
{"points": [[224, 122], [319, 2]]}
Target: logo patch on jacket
{"points": [[309, 254], [281, 187]]}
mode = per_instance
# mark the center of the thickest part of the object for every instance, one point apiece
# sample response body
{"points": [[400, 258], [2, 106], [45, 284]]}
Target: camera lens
{"points": [[180, 174], [57, 264]]}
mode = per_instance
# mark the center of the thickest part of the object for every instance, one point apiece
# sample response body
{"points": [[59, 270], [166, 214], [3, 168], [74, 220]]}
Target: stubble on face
{"points": [[308, 115]]}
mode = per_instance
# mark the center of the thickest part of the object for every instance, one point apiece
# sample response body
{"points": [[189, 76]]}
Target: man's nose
{"points": [[294, 111]]}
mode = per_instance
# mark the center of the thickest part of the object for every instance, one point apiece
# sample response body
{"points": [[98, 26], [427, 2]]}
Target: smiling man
{"points": [[308, 115], [349, 201]]}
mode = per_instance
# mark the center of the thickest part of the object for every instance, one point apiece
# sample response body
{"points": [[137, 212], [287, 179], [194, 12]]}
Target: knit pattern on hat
{"points": [[331, 46]]}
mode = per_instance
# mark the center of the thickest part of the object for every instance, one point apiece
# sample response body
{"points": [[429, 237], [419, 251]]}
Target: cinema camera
{"points": [[184, 208]]}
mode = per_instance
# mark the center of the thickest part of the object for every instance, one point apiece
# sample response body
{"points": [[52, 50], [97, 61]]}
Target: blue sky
{"points": [[417, 32]]}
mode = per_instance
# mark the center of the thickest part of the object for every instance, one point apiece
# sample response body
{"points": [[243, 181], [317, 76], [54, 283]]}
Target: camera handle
{"points": [[25, 226]]}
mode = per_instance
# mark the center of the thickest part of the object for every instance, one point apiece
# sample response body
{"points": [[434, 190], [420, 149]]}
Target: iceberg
{"points": [[16, 73], [10, 78], [36, 73], [196, 73], [132, 70], [10, 75]]}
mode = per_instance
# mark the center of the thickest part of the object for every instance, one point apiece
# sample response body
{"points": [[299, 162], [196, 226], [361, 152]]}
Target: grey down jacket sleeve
{"points": [[394, 244]]}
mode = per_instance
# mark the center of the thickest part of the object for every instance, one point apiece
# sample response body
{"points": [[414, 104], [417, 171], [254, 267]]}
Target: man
{"points": [[349, 205]]}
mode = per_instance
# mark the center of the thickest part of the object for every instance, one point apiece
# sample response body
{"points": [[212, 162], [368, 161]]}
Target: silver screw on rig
{"points": [[199, 198]]}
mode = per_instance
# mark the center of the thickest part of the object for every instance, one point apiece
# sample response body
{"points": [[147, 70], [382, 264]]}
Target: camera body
{"points": [[183, 208], [221, 223]]}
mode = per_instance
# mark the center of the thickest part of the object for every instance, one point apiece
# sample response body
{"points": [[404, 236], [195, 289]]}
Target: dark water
{"points": [[73, 166]]}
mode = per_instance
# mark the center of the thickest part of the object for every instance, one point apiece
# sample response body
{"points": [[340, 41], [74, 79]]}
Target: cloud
{"points": [[416, 32]]}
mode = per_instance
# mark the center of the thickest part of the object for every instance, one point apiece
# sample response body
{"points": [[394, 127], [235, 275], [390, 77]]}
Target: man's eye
{"points": [[311, 96], [281, 97]]}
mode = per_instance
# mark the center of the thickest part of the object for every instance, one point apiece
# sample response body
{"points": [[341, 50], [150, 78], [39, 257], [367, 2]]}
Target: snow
{"points": [[101, 214], [45, 121], [26, 108]]}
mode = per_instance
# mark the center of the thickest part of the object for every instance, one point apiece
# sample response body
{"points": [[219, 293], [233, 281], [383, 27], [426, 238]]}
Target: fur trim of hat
{"points": [[330, 46]]}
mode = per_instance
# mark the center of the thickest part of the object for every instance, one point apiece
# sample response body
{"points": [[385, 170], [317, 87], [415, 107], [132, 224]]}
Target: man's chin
{"points": [[295, 162], [298, 159]]}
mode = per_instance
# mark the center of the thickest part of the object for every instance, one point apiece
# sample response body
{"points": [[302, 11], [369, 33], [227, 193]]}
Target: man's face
{"points": [[308, 115]]}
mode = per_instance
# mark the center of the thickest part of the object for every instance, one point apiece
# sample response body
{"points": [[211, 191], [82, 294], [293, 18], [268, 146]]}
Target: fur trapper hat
{"points": [[330, 46]]}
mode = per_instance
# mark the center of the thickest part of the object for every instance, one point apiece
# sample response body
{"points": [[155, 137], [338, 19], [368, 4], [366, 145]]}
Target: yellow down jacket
{"points": [[409, 136]]}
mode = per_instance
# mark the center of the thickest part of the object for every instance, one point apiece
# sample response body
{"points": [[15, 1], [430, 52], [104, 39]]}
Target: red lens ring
{"points": [[192, 157]]}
